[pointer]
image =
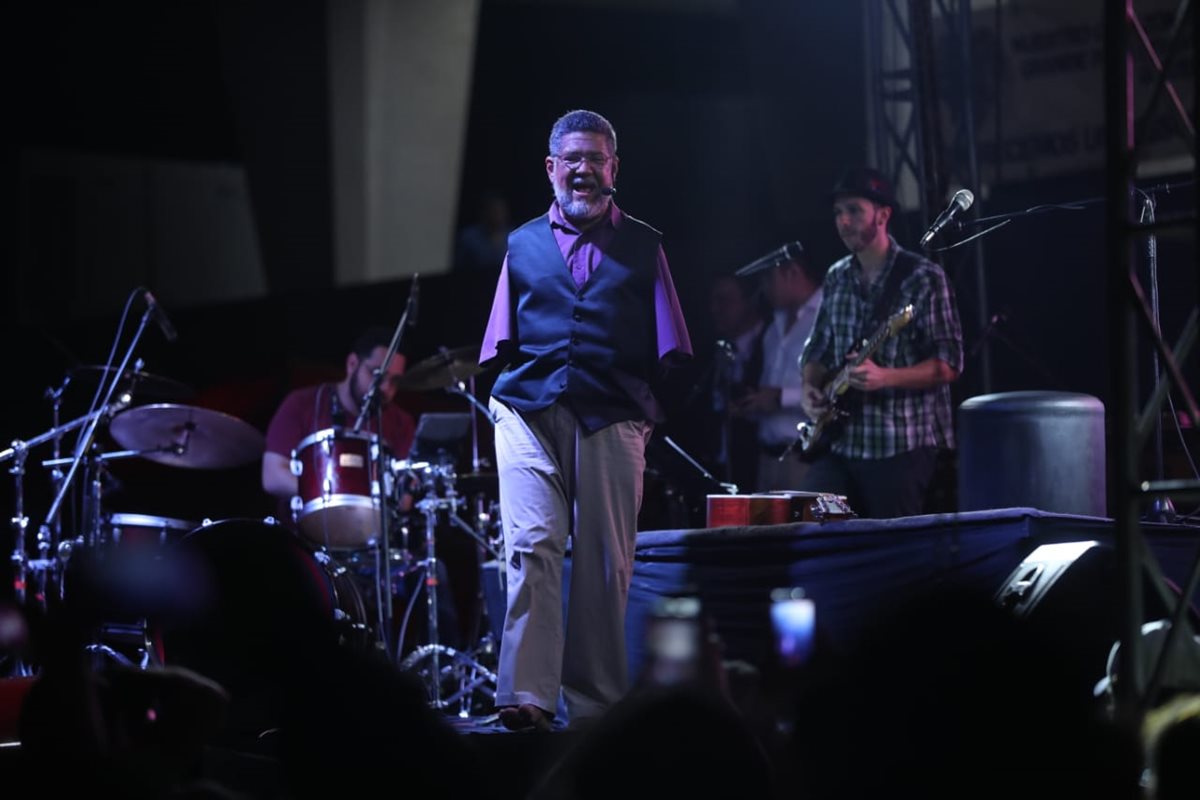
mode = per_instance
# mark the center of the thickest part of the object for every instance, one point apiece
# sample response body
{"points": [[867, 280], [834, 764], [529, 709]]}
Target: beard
{"points": [[579, 210], [865, 237], [358, 393]]}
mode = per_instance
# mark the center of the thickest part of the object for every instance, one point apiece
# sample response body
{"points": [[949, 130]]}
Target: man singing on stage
{"points": [[584, 317]]}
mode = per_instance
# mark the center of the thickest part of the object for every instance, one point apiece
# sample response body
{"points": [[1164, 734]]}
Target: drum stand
{"points": [[134, 635], [463, 668]]}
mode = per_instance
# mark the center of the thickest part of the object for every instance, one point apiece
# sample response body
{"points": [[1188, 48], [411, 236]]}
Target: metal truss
{"points": [[1129, 315], [905, 119], [905, 129]]}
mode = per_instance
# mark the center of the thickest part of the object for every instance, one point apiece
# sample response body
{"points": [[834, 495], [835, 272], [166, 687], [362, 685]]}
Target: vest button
{"points": [[577, 316]]}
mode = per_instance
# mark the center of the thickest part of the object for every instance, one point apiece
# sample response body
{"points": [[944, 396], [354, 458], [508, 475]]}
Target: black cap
{"points": [[865, 182]]}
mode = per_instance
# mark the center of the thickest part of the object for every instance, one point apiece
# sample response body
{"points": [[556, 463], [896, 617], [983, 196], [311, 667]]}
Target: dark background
{"points": [[732, 128]]}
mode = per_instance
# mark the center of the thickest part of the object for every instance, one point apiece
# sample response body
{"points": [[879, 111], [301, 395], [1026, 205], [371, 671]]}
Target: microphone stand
{"points": [[46, 538], [731, 488], [723, 395], [1161, 509], [370, 404], [1070, 205]]}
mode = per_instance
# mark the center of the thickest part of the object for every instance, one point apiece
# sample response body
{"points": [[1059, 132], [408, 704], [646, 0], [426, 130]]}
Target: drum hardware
{"points": [[442, 662], [104, 407], [135, 636], [44, 571], [343, 618], [134, 382], [467, 392], [453, 371], [111, 390], [368, 405]]}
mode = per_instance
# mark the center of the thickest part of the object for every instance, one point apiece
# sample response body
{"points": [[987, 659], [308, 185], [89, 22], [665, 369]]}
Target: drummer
{"points": [[326, 405], [316, 408]]}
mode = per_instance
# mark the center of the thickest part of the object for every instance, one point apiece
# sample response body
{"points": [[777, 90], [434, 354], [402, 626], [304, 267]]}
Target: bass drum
{"points": [[260, 602]]}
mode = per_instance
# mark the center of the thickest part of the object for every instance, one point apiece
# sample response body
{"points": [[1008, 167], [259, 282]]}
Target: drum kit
{"points": [[172, 433], [352, 516]]}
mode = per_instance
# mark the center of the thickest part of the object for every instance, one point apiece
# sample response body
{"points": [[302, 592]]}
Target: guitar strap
{"points": [[906, 261]]}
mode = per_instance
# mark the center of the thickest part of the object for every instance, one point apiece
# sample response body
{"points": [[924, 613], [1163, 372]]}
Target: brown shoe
{"points": [[525, 717]]}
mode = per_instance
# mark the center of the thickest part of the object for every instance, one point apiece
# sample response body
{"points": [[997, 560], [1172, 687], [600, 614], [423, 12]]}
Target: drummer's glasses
{"points": [[575, 160]]}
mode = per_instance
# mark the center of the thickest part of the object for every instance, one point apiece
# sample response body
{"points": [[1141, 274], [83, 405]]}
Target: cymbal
{"points": [[442, 370], [142, 384], [187, 436]]}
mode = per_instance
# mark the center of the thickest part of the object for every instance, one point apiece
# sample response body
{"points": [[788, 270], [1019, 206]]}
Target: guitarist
{"points": [[898, 403]]}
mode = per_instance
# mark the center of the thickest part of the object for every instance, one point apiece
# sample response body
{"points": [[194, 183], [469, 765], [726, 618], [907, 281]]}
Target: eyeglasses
{"points": [[575, 160]]}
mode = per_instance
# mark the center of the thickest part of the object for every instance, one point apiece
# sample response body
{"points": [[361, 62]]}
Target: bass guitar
{"points": [[813, 437]]}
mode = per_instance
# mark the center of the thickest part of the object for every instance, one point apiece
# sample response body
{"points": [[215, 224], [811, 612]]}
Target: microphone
{"points": [[414, 297], [961, 201], [608, 191], [160, 316], [788, 252]]}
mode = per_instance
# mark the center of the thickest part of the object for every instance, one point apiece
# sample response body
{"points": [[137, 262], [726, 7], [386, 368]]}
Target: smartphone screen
{"points": [[793, 621], [673, 641]]}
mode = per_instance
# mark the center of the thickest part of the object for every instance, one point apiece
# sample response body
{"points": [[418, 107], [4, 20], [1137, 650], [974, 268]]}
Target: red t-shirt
{"points": [[308, 410]]}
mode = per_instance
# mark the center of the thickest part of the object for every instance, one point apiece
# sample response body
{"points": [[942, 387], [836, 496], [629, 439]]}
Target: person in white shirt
{"points": [[794, 292], [738, 321]]}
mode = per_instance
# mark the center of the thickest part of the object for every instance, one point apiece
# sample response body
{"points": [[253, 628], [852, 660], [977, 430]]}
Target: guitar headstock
{"points": [[899, 319]]}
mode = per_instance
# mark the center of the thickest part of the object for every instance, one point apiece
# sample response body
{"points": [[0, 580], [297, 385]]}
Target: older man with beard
{"points": [[898, 398], [584, 318]]}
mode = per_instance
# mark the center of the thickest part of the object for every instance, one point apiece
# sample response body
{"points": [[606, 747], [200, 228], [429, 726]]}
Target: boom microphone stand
{"points": [[370, 404]]}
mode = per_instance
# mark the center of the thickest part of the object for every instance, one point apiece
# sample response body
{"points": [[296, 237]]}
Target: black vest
{"points": [[594, 346]]}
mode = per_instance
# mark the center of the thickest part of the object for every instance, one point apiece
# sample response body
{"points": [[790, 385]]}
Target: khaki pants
{"points": [[556, 481]]}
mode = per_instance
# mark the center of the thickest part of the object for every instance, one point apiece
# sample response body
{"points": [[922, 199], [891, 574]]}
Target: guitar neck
{"points": [[868, 349], [841, 381]]}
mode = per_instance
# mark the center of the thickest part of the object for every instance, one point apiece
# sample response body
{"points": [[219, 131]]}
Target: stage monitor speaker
{"points": [[1040, 450], [1070, 593]]}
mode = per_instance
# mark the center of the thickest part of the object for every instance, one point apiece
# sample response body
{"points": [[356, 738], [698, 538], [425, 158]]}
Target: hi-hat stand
{"points": [[434, 661]]}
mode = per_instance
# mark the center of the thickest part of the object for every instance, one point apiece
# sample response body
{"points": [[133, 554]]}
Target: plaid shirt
{"points": [[888, 422]]}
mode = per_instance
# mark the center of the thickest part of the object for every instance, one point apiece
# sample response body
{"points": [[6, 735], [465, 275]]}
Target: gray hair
{"points": [[581, 121]]}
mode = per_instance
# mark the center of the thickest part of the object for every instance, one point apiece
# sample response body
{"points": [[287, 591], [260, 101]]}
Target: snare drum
{"points": [[338, 474]]}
